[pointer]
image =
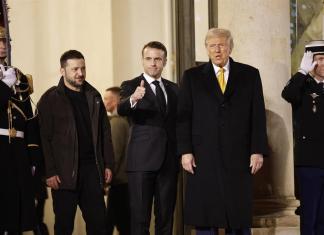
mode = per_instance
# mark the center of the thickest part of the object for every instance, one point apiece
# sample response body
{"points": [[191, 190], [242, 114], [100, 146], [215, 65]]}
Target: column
{"points": [[262, 39]]}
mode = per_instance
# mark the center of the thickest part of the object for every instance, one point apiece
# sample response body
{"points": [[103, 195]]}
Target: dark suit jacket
{"points": [[152, 134], [307, 100], [222, 131]]}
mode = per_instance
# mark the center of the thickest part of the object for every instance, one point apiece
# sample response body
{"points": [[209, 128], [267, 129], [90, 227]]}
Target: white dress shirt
{"points": [[226, 70], [150, 81]]}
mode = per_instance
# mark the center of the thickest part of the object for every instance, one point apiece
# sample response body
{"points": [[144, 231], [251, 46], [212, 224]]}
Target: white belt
{"points": [[14, 133]]}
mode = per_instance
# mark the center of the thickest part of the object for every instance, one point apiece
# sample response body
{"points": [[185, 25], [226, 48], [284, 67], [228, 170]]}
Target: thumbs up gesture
{"points": [[138, 93]]}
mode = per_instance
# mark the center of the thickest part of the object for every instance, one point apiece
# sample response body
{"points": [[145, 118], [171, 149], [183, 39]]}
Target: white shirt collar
{"points": [[149, 79], [316, 80], [226, 67]]}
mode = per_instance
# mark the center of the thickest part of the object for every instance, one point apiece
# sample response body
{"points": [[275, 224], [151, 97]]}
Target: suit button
{"points": [[304, 137]]}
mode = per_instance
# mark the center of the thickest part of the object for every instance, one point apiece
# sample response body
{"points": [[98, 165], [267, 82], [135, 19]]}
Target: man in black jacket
{"points": [[305, 92], [76, 141], [152, 165]]}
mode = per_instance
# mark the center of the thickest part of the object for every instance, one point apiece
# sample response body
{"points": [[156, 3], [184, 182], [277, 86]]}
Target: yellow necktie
{"points": [[221, 79]]}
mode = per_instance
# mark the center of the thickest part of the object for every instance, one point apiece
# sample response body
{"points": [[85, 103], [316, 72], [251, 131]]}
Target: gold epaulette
{"points": [[30, 83], [12, 105]]}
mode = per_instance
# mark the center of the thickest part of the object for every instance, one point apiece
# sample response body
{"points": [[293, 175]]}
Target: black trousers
{"points": [[311, 188], [118, 211], [214, 231], [143, 187], [90, 198]]}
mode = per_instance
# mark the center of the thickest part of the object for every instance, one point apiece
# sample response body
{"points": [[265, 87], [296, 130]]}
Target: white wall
{"points": [[41, 30], [135, 23]]}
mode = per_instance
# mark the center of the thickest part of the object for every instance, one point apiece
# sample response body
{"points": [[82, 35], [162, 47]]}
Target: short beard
{"points": [[74, 84]]}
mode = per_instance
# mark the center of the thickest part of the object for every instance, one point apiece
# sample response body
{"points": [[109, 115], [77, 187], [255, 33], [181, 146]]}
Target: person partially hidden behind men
{"points": [[77, 147], [118, 211]]}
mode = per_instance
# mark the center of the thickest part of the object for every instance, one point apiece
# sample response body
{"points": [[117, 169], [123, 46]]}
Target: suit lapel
{"points": [[169, 95], [149, 97], [232, 79], [211, 83]]}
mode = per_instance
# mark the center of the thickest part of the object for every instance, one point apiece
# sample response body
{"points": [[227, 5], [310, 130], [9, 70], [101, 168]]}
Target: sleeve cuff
{"points": [[133, 104], [300, 70]]}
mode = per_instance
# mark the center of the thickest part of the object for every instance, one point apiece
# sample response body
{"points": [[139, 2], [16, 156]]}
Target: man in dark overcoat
{"points": [[305, 93], [19, 148], [221, 136]]}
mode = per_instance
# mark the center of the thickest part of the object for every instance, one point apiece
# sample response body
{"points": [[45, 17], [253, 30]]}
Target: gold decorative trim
{"points": [[32, 145]]}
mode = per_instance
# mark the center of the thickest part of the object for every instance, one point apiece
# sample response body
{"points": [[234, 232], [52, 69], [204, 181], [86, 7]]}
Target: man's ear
{"points": [[165, 62], [62, 71]]}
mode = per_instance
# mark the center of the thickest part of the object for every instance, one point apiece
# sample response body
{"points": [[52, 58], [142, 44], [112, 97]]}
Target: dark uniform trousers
{"points": [[212, 231], [90, 198], [311, 189]]}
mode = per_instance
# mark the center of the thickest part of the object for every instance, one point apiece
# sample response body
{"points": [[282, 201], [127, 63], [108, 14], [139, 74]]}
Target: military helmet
{"points": [[2, 33]]}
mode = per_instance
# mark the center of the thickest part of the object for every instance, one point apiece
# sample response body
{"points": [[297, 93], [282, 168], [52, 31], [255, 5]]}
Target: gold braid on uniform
{"points": [[22, 100], [28, 83], [11, 129]]}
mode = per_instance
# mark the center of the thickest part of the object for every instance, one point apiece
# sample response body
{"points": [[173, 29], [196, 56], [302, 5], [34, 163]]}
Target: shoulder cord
{"points": [[11, 106]]}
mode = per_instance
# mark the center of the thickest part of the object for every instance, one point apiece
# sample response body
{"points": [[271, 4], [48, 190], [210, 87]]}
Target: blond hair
{"points": [[219, 32]]}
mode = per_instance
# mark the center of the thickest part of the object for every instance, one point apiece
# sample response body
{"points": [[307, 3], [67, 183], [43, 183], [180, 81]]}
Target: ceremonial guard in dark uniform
{"points": [[305, 92], [19, 148]]}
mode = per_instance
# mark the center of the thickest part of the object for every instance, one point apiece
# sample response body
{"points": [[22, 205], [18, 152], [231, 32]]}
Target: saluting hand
{"points": [[53, 182], [139, 93], [307, 64], [256, 162], [188, 162]]}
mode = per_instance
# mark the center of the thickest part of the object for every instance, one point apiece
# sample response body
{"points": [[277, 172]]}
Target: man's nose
{"points": [[217, 48], [80, 72], [153, 62]]}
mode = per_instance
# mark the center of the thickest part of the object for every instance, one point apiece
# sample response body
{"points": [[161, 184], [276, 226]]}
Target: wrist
{"points": [[303, 71]]}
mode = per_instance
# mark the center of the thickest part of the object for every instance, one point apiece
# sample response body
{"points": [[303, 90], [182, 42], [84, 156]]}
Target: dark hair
{"points": [[115, 89], [156, 45], [71, 54]]}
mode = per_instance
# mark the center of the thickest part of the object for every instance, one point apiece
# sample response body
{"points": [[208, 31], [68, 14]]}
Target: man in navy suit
{"points": [[150, 102], [221, 137], [305, 93]]}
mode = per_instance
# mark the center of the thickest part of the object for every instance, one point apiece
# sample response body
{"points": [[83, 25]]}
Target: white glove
{"points": [[9, 76], [307, 64]]}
